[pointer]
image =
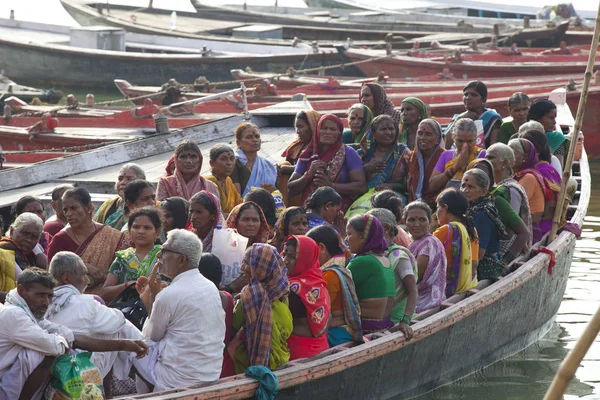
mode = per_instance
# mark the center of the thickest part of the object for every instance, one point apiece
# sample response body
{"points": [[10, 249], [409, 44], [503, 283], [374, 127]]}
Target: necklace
{"points": [[80, 242]]}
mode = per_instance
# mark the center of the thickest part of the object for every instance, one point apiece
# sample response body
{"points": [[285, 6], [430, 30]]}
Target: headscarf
{"points": [[292, 152], [490, 169], [170, 165], [306, 281], [179, 209], [175, 185], [367, 119], [268, 283], [382, 104], [420, 169], [282, 225], [414, 101], [373, 237], [486, 204], [548, 179], [263, 232], [219, 220]]}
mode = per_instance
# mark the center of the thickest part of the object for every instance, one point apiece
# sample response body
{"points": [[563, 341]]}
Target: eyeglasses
{"points": [[164, 250]]}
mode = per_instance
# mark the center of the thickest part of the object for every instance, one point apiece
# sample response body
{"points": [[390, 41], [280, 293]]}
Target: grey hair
{"points": [[65, 262], [139, 172], [482, 180], [186, 243], [531, 126], [386, 217], [26, 219], [464, 125], [516, 147], [504, 152]]}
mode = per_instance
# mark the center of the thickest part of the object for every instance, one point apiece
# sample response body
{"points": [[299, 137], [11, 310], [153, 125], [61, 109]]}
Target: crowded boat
{"points": [[355, 230]]}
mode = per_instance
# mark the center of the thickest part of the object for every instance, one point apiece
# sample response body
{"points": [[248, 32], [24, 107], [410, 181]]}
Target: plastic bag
{"points": [[230, 247], [76, 377], [279, 205], [361, 205]]}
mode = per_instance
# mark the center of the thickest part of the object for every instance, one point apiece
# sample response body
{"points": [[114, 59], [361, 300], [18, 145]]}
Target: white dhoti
{"points": [[12, 382]]}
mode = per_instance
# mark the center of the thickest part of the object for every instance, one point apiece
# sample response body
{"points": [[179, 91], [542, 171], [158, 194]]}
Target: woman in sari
{"points": [[541, 183], [323, 207], [393, 201], [33, 205], [412, 111], [25, 233], [138, 194], [344, 325], [174, 213], [293, 221], [490, 229], [459, 238], [114, 207], [359, 122], [329, 162], [405, 270], [265, 200], [262, 318], [518, 108], [544, 112], [250, 169], [95, 243], [452, 164], [372, 272], [373, 96], [430, 255], [249, 221], [306, 127], [422, 161], [309, 300], [138, 260], [474, 97], [222, 163], [384, 158], [186, 181], [205, 216]]}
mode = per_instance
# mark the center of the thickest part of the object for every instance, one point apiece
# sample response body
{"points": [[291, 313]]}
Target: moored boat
{"points": [[9, 88]]}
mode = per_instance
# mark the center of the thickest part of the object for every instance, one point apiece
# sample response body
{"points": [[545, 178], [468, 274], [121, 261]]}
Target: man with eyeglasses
{"points": [[186, 324]]}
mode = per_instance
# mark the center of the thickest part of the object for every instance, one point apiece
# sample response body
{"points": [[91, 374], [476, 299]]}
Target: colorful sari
{"points": [[7, 271], [489, 118], [267, 321], [460, 275], [263, 232], [282, 226], [176, 186], [306, 282], [432, 287], [127, 267], [395, 161], [395, 254], [228, 195], [262, 173], [23, 260], [219, 220], [416, 102], [97, 250], [555, 140], [505, 188], [382, 104], [117, 220], [348, 136], [107, 208], [455, 181], [293, 151]]}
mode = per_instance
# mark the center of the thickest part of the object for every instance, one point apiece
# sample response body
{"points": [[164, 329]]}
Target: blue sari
{"points": [[395, 159], [263, 172]]}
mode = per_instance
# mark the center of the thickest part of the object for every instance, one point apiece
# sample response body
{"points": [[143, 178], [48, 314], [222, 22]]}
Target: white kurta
{"points": [[188, 325]]}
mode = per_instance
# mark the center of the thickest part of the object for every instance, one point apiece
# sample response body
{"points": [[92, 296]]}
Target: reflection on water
{"points": [[528, 374]]}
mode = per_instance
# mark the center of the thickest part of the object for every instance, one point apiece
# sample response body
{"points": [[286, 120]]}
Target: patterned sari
{"points": [[348, 136], [293, 151], [395, 254], [105, 210], [228, 195], [456, 179], [7, 271], [23, 260], [175, 186], [460, 275], [382, 104], [263, 232], [127, 267]]}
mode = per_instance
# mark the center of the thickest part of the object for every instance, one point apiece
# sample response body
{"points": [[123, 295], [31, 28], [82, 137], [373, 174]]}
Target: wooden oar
{"points": [[556, 220]]}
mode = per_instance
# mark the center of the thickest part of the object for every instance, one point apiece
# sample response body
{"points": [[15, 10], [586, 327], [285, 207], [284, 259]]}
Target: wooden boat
{"points": [[9, 88]]}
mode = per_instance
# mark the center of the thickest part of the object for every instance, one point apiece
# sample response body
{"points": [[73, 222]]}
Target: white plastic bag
{"points": [[230, 247]]}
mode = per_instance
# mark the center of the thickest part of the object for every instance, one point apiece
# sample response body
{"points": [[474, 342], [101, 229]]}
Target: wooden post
{"points": [[578, 121], [571, 362]]}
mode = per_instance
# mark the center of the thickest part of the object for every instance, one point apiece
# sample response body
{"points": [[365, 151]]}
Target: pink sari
{"points": [[176, 186]]}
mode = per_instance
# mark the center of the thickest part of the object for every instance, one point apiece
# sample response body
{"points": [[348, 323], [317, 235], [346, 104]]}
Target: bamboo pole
{"points": [[556, 220], [569, 366]]}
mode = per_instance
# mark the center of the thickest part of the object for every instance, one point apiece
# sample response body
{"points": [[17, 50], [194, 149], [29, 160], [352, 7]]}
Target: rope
{"points": [[62, 149]]}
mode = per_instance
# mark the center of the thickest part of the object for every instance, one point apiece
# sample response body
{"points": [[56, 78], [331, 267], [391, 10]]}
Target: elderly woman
{"points": [[344, 325], [95, 243], [384, 158], [186, 181], [249, 221], [293, 221], [405, 270], [373, 95], [309, 300], [250, 169], [544, 112], [261, 319], [205, 216], [222, 163], [128, 173], [138, 194], [518, 108], [412, 112], [541, 183], [25, 233], [372, 272], [452, 164], [474, 97], [490, 229], [430, 255], [359, 122], [329, 162], [34, 205], [422, 161]]}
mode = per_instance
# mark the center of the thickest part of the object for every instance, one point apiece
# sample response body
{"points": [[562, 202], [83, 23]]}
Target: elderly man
{"points": [[83, 314], [186, 326], [27, 338], [25, 233]]}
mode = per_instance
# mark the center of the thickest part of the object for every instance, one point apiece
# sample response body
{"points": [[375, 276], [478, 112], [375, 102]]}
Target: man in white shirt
{"points": [[186, 326], [26, 338], [85, 315]]}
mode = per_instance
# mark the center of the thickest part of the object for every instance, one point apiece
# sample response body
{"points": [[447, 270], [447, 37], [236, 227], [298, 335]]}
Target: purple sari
{"points": [[432, 287]]}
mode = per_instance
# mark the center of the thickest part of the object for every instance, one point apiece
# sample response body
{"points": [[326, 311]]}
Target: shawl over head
{"points": [[312, 118], [547, 178], [415, 101], [373, 236], [382, 104], [367, 120], [219, 220], [268, 283], [419, 168], [263, 232]]}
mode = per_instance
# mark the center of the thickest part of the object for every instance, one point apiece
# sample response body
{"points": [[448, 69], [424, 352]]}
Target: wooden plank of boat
{"points": [[389, 365], [9, 88]]}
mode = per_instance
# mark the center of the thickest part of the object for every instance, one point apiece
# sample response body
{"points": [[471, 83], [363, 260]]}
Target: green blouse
{"points": [[127, 266], [371, 278]]}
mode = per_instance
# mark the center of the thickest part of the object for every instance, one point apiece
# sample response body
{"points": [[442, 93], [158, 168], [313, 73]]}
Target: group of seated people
{"points": [[446, 209]]}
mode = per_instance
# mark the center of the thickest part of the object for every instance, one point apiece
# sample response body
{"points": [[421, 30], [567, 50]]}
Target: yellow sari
{"points": [[7, 270], [228, 195], [473, 155]]}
